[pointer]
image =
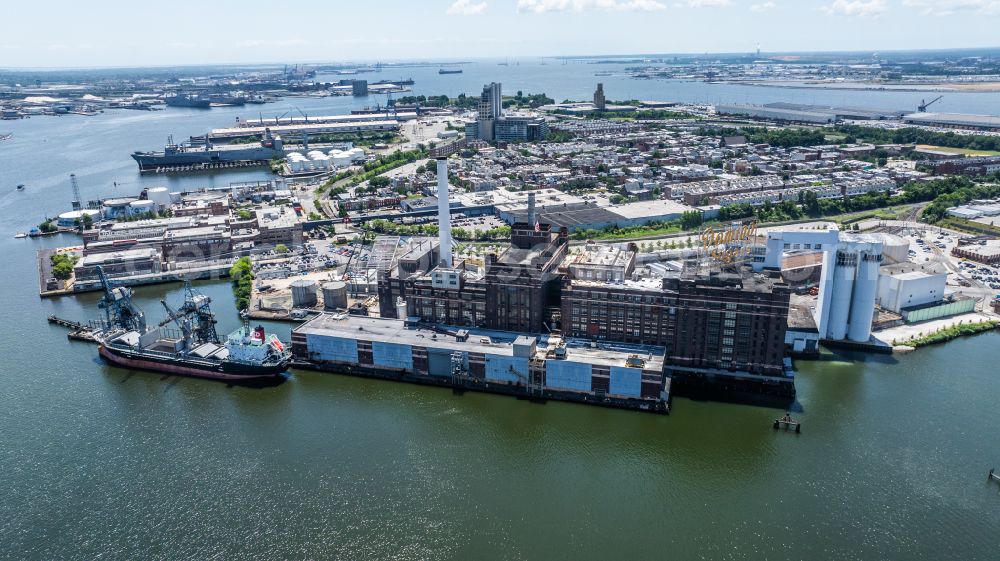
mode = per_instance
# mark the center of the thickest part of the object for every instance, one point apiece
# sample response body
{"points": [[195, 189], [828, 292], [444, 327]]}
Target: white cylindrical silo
{"points": [[865, 290], [141, 207], [160, 196], [843, 287]]}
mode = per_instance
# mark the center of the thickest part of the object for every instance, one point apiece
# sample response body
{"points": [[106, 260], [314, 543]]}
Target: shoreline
{"points": [[985, 87]]}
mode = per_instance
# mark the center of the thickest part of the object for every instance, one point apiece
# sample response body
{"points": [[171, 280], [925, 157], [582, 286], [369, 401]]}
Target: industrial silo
{"points": [[141, 207], [844, 274], [304, 293], [335, 295], [895, 249], [160, 197], [865, 290]]}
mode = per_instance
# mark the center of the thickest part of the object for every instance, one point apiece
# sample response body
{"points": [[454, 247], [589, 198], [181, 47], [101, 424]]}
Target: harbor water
{"points": [[99, 462]]}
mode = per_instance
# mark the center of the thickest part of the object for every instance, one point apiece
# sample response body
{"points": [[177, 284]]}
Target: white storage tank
{"points": [[340, 159], [304, 293], [113, 208], [895, 249], [844, 274], [74, 218], [141, 207], [335, 295], [160, 197]]}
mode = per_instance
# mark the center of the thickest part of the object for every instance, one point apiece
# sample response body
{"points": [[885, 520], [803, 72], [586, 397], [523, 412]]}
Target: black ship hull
{"points": [[229, 372]]}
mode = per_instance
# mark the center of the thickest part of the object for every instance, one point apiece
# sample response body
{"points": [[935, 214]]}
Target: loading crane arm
{"points": [[924, 105]]}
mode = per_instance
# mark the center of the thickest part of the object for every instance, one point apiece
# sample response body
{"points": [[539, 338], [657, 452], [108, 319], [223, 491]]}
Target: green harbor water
{"points": [[99, 462]]}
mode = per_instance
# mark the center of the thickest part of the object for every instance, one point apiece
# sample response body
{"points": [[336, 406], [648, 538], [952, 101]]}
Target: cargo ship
{"points": [[248, 356], [187, 100], [205, 152], [450, 71]]}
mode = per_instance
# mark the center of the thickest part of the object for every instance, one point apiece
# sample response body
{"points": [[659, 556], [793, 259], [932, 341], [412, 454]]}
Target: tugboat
{"points": [[20, 187], [246, 357]]}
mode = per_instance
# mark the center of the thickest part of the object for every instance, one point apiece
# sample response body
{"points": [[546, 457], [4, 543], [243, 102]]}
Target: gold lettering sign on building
{"points": [[729, 244]]}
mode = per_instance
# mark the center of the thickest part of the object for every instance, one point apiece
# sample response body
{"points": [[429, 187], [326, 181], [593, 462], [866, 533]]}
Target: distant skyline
{"points": [[60, 33]]}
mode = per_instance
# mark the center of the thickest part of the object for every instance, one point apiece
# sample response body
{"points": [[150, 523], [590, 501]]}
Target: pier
{"points": [[78, 331]]}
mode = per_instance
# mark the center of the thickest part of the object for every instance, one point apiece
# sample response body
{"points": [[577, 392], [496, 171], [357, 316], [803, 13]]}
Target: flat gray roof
{"points": [[479, 341]]}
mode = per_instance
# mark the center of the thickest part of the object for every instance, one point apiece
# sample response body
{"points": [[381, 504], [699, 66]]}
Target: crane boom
{"points": [[924, 105]]}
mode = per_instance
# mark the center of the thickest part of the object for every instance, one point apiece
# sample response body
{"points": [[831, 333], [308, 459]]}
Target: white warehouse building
{"points": [[906, 289]]}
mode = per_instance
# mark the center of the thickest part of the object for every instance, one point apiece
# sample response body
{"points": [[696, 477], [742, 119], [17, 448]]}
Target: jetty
{"points": [[78, 331]]}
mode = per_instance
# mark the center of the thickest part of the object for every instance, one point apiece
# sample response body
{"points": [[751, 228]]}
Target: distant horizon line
{"points": [[425, 60]]}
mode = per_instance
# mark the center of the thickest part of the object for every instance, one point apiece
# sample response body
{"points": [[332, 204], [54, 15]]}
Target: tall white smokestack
{"points": [[444, 212]]}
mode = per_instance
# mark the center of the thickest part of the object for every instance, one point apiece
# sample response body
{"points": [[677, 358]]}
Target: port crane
{"points": [[196, 310], [118, 308], [924, 105]]}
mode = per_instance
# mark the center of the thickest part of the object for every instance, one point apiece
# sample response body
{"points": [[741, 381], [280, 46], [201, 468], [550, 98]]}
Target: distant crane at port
{"points": [[77, 201], [118, 307], [924, 105], [304, 116]]}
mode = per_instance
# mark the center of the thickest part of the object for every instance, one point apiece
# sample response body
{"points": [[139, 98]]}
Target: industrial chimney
{"points": [[444, 212], [532, 218]]}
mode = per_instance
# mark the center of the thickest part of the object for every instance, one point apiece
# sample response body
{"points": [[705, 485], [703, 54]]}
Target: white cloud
{"points": [[863, 8], [466, 8], [705, 3], [542, 6], [763, 7], [949, 7]]}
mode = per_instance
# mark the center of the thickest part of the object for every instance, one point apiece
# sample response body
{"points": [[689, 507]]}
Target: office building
{"points": [[599, 102]]}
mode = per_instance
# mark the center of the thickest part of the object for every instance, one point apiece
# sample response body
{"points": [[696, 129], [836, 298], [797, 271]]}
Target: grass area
{"points": [[949, 333], [968, 226], [888, 213], [958, 151]]}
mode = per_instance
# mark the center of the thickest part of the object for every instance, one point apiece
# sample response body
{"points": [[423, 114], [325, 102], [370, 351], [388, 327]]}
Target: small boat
{"points": [[20, 235], [20, 187], [787, 423]]}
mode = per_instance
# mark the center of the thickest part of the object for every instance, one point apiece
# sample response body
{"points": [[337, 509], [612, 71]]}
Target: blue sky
{"points": [[118, 33]]}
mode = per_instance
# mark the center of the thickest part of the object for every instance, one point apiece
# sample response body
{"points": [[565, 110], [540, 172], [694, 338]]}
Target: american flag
{"points": [[538, 227]]}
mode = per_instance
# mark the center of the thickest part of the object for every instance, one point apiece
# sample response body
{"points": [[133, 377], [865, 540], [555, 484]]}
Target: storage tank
{"points": [[303, 293], [335, 295], [141, 207], [160, 196], [843, 287], [73, 218], [894, 248], [340, 159], [865, 290], [113, 208]]}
